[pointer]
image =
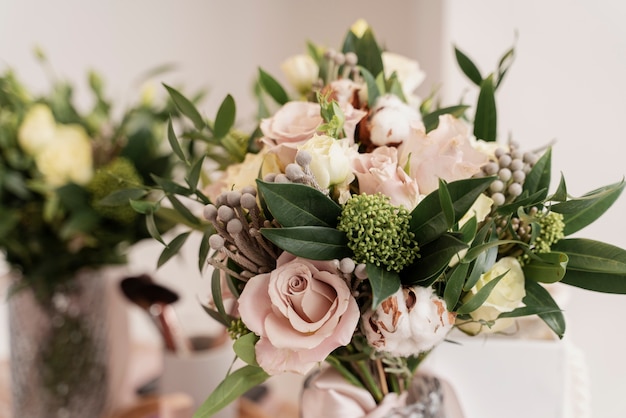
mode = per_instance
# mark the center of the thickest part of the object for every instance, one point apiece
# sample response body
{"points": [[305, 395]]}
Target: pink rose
{"points": [[301, 311], [445, 153], [291, 125], [411, 321], [379, 172]]}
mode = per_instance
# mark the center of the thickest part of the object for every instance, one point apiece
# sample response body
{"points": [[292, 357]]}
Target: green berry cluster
{"points": [[378, 232], [118, 174], [551, 230], [237, 329]]}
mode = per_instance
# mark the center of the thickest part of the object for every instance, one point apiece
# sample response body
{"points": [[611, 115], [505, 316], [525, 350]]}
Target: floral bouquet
{"points": [[71, 181], [368, 223]]}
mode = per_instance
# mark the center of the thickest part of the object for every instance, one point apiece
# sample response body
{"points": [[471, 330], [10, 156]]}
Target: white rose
{"points": [[330, 161], [392, 121], [479, 209], [67, 158], [411, 321], [37, 129], [505, 296], [409, 74], [301, 72]]}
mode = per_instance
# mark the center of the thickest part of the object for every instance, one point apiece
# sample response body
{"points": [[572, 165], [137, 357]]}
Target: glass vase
{"points": [[59, 350]]}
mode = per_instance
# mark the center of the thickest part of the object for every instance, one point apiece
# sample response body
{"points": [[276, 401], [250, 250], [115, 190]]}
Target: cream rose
{"points": [[68, 158], [445, 152], [409, 74], [301, 72], [411, 321], [392, 121], [37, 130], [330, 162], [379, 172], [505, 296], [301, 311]]}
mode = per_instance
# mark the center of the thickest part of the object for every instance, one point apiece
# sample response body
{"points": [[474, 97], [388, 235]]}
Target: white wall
{"points": [[567, 83]]}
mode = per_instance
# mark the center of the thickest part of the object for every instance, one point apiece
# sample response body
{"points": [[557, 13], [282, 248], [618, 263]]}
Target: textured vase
{"points": [[59, 350]]}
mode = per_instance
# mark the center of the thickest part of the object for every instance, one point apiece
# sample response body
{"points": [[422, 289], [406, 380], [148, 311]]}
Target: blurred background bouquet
{"points": [[70, 180], [366, 223]]}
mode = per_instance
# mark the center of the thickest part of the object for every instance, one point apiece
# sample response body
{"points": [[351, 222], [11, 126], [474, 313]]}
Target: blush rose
{"points": [[301, 311]]}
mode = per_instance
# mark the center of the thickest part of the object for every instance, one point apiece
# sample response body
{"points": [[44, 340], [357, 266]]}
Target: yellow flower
{"points": [[37, 130]]}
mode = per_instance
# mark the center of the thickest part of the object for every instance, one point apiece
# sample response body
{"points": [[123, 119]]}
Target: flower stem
{"points": [[369, 380], [381, 376]]}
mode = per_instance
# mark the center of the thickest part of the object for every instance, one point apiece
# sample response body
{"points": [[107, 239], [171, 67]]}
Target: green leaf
{"points": [[468, 67], [578, 213], [560, 195], [369, 53], [216, 293], [372, 88], [428, 220], [454, 285], [225, 118], [172, 248], [431, 120], [486, 118], [539, 176], [384, 283], [174, 144], [434, 257], [122, 197], [546, 267], [203, 250], [480, 297], [171, 187], [312, 242], [230, 389], [594, 265], [193, 176], [473, 252], [294, 204], [523, 200], [152, 228], [528, 311], [538, 296], [215, 315], [143, 206], [273, 88], [446, 203], [183, 210], [186, 107], [503, 66], [244, 348]]}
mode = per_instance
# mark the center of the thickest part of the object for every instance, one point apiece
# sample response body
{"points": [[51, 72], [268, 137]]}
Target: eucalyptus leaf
{"points": [[578, 213], [431, 120], [183, 210], [143, 206], [152, 228], [225, 118], [193, 176], [468, 67], [539, 176], [215, 315], [171, 187], [384, 283], [454, 285], [174, 144], [538, 296], [172, 248], [186, 107], [244, 348], [312, 242], [480, 297], [372, 88], [446, 203], [428, 220], [294, 204], [486, 117], [434, 257], [203, 250], [230, 389], [592, 256], [546, 267], [503, 66], [273, 88], [216, 293], [122, 197]]}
